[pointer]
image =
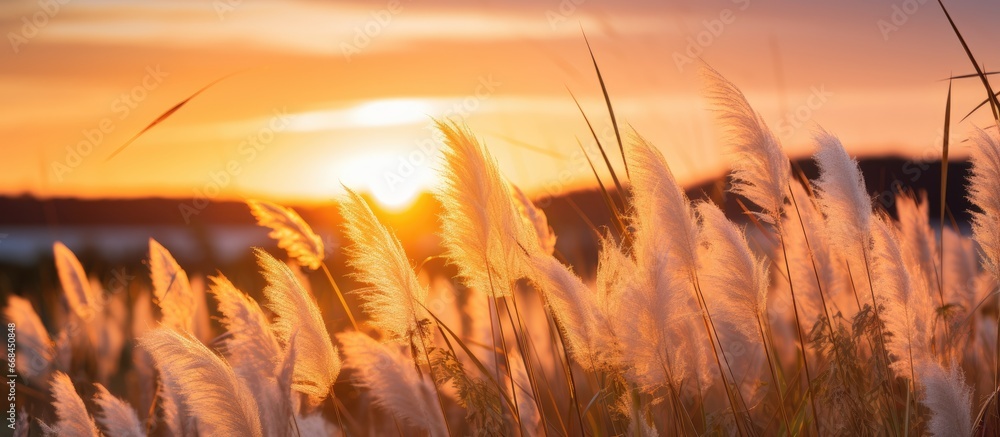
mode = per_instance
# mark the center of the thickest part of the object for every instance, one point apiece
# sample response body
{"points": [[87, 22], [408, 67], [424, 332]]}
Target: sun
{"points": [[395, 199], [378, 175]]}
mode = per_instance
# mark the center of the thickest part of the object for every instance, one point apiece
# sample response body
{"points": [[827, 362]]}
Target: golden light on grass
{"points": [[818, 312]]}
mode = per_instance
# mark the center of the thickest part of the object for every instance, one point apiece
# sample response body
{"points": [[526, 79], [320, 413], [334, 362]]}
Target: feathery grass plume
{"points": [[318, 363], [171, 288], [614, 275], [960, 269], [73, 419], [657, 330], [652, 333], [300, 274], [250, 346], [279, 412], [209, 388], [292, 233], [660, 299], [534, 217], [811, 254], [984, 194], [177, 421], [117, 417], [842, 193], [254, 353], [481, 231], [845, 202], [36, 353], [571, 303], [908, 310], [394, 383], [761, 170], [917, 240], [394, 299], [82, 300], [734, 271], [664, 220], [948, 398]]}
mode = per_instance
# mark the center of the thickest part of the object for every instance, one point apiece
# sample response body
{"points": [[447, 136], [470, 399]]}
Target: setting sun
{"points": [[394, 185], [396, 199]]}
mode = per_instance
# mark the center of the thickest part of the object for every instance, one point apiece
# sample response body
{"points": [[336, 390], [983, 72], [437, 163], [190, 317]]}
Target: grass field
{"points": [[815, 312]]}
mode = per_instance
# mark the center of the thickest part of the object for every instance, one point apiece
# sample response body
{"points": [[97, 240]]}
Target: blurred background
{"points": [[303, 96]]}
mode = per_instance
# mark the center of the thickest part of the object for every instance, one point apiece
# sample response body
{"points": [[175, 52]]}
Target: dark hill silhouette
{"points": [[883, 177], [417, 228]]}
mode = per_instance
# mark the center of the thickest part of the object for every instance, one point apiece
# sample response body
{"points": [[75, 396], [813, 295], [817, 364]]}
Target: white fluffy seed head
{"points": [[761, 170]]}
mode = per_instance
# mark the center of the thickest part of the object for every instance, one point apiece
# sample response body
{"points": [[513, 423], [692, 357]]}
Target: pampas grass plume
{"points": [[984, 194], [206, 384], [394, 298], [393, 382], [82, 299], [171, 288], [292, 233], [297, 313], [761, 170], [117, 418], [73, 419], [481, 230]]}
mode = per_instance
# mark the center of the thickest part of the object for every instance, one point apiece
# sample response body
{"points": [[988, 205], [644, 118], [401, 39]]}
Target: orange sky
{"points": [[323, 105]]}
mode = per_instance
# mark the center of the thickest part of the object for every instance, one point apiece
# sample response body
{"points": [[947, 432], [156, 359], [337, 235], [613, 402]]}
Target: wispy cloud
{"points": [[300, 26]]}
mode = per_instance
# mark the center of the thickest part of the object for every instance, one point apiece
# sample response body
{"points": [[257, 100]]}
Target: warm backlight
{"points": [[378, 175]]}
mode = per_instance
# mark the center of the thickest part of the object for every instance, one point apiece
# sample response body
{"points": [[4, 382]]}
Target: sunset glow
{"points": [[443, 218], [343, 75]]}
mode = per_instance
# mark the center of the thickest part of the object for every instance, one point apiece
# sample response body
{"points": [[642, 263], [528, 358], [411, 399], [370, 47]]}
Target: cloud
{"points": [[309, 27]]}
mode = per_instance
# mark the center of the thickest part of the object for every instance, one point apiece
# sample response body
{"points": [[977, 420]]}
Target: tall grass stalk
{"points": [[761, 174]]}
